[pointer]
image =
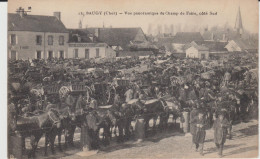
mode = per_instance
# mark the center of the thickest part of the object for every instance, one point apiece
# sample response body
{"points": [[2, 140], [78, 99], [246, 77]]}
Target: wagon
{"points": [[100, 91], [34, 75]]}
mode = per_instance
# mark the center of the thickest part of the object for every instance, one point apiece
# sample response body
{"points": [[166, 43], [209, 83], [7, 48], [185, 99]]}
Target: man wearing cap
{"points": [[200, 134], [220, 132]]}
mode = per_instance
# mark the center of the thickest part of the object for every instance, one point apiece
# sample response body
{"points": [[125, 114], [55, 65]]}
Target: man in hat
{"points": [[220, 131], [200, 133], [129, 95], [183, 96], [70, 101], [93, 103], [193, 116], [227, 78]]}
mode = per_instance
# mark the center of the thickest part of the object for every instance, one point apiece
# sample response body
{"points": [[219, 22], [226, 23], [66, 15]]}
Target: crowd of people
{"points": [[216, 92]]}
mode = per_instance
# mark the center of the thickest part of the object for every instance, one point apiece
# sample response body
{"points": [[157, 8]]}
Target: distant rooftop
{"points": [[187, 37]]}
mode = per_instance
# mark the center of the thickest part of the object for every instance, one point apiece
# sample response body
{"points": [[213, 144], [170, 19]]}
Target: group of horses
{"points": [[58, 119]]}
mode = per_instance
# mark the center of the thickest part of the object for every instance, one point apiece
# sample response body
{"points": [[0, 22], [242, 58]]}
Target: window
{"points": [[61, 40], [13, 39], [97, 52], [76, 53], [50, 54], [86, 53], [61, 54], [13, 55], [50, 40], [38, 54], [38, 39]]}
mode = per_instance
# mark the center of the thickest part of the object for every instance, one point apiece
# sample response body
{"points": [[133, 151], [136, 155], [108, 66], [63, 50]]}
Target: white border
{"points": [[3, 79]]}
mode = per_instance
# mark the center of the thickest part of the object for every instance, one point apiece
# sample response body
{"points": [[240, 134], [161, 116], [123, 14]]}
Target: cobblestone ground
{"points": [[173, 144]]}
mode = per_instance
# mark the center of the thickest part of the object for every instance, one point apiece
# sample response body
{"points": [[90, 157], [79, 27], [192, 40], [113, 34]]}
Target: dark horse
{"points": [[153, 109], [69, 120], [37, 125], [125, 115]]}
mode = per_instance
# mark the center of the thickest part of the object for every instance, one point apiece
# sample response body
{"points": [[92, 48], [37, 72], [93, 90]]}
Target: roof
{"points": [[117, 36], [134, 53], [187, 37], [35, 23], [246, 44], [193, 43], [83, 34], [219, 34], [215, 45]]}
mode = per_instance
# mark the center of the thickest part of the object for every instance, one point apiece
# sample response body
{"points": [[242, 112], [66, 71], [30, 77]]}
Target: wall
{"points": [[204, 52], [104, 50], [26, 46], [192, 53], [178, 48]]}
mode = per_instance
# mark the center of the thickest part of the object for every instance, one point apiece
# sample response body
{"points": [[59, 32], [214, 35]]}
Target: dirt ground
{"points": [[171, 144]]}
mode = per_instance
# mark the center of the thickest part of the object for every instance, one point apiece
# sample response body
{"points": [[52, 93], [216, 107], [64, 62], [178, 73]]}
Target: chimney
{"points": [[79, 38], [224, 37], [212, 36], [80, 24], [57, 15], [21, 12], [97, 31]]}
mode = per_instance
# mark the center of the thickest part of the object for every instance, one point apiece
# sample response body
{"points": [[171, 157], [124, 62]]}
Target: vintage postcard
{"points": [[132, 79]]}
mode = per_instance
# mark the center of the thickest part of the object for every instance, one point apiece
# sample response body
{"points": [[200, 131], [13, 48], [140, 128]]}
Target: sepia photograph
{"points": [[132, 79]]}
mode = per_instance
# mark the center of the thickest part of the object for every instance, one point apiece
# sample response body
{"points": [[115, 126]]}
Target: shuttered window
{"points": [[97, 52], [76, 53], [13, 39], [50, 40], [61, 40], [38, 39]]}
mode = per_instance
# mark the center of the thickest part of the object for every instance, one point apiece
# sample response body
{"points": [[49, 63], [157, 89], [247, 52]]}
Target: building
{"points": [[165, 43], [216, 47], [183, 38], [197, 51], [83, 44], [119, 38], [238, 25], [242, 45], [36, 36]]}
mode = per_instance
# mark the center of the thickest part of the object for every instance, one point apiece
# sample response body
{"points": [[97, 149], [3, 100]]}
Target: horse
{"points": [[126, 114], [37, 125], [93, 121], [153, 109], [67, 117], [106, 120]]}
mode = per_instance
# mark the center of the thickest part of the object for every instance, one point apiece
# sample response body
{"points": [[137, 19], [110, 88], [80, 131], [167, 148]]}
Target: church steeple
{"points": [[80, 24], [238, 25]]}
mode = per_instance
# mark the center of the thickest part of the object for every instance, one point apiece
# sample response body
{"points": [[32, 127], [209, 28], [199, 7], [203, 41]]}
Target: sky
{"points": [[70, 9]]}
